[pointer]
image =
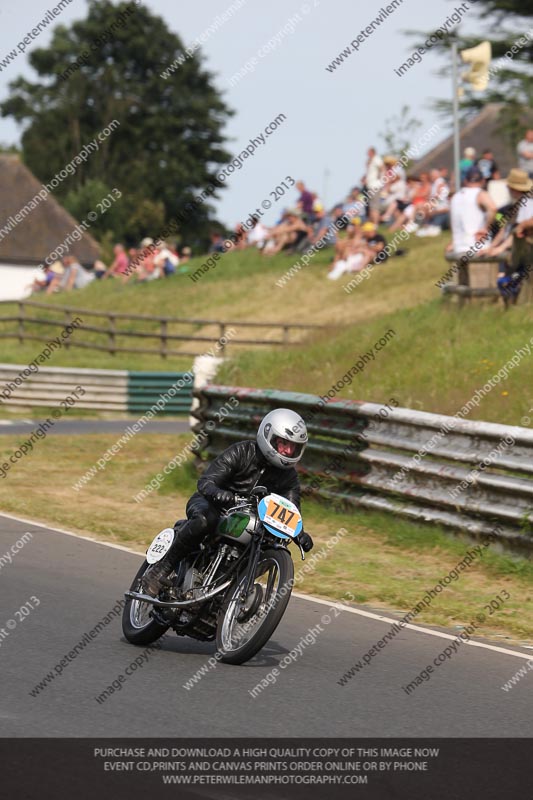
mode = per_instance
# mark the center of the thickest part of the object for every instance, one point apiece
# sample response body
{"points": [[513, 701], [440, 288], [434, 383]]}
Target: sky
{"points": [[331, 117]]}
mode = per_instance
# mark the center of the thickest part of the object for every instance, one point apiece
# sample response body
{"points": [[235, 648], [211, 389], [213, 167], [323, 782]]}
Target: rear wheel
{"points": [[242, 632], [137, 624]]}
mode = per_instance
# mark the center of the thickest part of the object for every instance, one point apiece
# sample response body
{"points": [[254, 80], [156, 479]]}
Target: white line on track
{"points": [[310, 598]]}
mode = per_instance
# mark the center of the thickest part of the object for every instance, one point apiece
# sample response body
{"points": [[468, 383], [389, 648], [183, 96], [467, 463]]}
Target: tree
{"points": [[169, 141], [399, 131], [510, 77]]}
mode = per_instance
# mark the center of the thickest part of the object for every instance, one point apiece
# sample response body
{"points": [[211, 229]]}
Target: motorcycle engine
{"points": [[193, 578]]}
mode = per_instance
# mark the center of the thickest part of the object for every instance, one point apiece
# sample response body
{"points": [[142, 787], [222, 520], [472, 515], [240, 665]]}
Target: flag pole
{"points": [[456, 132]]}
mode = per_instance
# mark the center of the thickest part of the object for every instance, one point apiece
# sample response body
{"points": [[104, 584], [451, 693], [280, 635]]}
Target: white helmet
{"points": [[279, 429]]}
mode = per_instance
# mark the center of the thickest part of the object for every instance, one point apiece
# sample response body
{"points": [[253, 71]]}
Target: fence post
{"points": [[21, 322], [112, 333], [286, 334], [163, 336], [67, 318], [222, 326]]}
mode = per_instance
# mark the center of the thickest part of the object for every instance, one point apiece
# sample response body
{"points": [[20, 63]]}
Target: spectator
{"points": [[363, 247], [44, 282], [166, 260], [290, 234], [119, 267], [185, 255], [99, 269], [324, 229], [472, 211], [517, 235], [240, 238], [415, 204], [74, 276], [217, 243], [375, 245], [373, 184], [348, 255], [259, 234], [487, 165], [437, 211], [147, 270], [466, 163], [525, 153], [305, 202]]}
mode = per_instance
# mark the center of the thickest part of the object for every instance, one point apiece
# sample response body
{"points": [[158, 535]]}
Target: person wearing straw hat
{"points": [[516, 235]]}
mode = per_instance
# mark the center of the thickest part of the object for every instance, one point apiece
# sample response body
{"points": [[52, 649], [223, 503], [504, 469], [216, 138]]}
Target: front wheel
{"points": [[241, 633], [137, 624]]}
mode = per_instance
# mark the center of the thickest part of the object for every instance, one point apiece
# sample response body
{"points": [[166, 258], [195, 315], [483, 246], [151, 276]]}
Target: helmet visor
{"points": [[287, 448]]}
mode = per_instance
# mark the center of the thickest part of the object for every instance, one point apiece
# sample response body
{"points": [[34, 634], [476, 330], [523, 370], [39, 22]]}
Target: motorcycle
{"points": [[234, 588]]}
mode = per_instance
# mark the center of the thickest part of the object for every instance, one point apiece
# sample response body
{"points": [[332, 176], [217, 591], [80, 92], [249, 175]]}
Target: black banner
{"points": [[373, 769]]}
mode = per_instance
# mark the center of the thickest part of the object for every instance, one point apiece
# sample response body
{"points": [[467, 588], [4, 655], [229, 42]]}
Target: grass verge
{"points": [[385, 562]]}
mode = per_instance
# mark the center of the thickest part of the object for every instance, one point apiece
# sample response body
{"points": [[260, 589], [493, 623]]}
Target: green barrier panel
{"points": [[172, 390]]}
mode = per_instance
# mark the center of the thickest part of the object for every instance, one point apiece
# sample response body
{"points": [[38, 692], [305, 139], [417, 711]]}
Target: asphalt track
{"points": [[87, 426], [78, 581]]}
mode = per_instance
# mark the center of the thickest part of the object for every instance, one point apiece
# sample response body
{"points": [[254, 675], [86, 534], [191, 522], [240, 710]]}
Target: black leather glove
{"points": [[305, 541], [223, 498]]}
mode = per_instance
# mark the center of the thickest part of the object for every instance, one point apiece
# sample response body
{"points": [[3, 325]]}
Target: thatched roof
{"points": [[481, 132], [41, 229]]}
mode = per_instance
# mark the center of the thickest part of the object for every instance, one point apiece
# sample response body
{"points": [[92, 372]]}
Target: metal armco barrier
{"points": [[368, 457], [105, 389], [145, 389]]}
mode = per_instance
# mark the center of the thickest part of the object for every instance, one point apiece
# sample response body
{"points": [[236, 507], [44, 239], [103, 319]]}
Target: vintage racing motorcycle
{"points": [[234, 588]]}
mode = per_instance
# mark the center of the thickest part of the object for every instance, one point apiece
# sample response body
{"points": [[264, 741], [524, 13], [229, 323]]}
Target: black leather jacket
{"points": [[242, 466]]}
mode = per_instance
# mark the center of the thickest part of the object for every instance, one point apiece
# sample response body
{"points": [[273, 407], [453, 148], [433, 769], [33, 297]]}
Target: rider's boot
{"points": [[188, 537]]}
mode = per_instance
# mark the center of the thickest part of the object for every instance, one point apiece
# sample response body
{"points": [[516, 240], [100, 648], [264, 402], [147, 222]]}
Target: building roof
{"points": [[39, 228], [481, 132]]}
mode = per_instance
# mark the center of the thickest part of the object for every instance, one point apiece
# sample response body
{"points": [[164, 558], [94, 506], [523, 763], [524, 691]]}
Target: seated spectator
{"points": [[45, 280], [435, 215], [99, 269], [240, 239], [417, 197], [166, 260], [364, 247], [119, 267], [291, 233], [347, 256], [74, 276], [146, 266], [185, 255], [258, 235], [324, 229], [396, 189], [354, 205], [217, 243]]}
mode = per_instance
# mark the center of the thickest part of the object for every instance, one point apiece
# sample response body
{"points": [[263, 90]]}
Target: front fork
{"points": [[252, 566]]}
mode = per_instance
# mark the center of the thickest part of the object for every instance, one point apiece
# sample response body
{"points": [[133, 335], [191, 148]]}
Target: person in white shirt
{"points": [[74, 276], [258, 235], [165, 260], [472, 211], [525, 153]]}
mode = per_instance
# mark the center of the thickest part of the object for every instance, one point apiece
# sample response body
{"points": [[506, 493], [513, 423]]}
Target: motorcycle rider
{"points": [[269, 461]]}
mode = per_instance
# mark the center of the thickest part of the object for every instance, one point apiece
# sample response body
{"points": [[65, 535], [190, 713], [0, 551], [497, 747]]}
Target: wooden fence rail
{"points": [[281, 331]]}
